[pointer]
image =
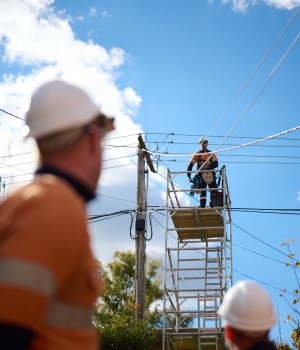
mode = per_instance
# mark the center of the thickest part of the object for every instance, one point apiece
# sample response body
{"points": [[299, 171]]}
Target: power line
{"points": [[117, 158], [215, 136], [262, 255], [263, 88], [12, 176], [263, 211], [118, 166], [266, 284], [232, 144], [122, 136], [104, 217], [258, 156], [14, 155], [18, 182], [260, 240], [24, 163], [13, 167], [256, 69], [271, 137], [110, 197], [132, 145], [187, 143], [231, 162], [2, 110]]}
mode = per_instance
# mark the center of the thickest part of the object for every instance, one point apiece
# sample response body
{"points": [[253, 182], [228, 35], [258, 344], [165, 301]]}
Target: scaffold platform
{"points": [[198, 223]]}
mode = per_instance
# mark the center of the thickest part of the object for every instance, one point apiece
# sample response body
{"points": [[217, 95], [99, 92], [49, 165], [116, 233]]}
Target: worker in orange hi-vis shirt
{"points": [[49, 280], [205, 160]]}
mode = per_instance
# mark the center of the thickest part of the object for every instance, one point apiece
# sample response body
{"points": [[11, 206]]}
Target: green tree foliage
{"points": [[294, 317], [115, 318], [281, 346], [119, 332], [119, 277]]}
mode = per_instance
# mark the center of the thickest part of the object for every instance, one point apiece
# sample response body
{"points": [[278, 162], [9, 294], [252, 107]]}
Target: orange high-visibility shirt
{"points": [[201, 157], [49, 280]]}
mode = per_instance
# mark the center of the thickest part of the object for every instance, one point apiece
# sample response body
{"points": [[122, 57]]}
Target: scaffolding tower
{"points": [[198, 266]]}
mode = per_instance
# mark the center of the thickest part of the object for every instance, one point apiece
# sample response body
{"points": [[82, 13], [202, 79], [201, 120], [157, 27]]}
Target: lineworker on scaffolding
{"points": [[206, 160]]}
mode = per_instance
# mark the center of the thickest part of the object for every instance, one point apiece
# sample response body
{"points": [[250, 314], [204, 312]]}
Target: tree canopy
{"points": [[119, 277], [115, 318]]}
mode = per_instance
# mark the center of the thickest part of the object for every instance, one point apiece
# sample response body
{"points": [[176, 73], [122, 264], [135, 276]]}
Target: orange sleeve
{"points": [[44, 228], [194, 159], [47, 227]]}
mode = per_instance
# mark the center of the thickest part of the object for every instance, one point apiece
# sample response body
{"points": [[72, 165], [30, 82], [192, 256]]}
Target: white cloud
{"points": [[105, 14], [283, 4], [92, 11], [45, 47], [243, 5], [237, 5], [131, 99]]}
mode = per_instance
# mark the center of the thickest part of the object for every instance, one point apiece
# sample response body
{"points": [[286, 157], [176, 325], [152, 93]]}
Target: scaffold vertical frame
{"points": [[198, 264]]}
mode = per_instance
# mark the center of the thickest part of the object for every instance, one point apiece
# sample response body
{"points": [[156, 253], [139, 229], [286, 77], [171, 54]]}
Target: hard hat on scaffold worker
{"points": [[203, 139], [248, 307], [72, 108]]}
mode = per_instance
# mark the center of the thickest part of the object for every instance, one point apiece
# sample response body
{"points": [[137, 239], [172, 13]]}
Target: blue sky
{"points": [[170, 69]]}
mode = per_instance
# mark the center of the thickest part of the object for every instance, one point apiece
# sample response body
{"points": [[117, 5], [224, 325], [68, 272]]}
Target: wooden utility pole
{"points": [[140, 227]]}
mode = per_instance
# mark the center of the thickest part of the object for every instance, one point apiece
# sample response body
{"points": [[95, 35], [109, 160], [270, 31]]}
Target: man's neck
{"points": [[78, 185]]}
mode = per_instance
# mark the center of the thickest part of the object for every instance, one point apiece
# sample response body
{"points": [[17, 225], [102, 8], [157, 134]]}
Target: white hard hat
{"points": [[247, 306], [202, 139], [57, 106]]}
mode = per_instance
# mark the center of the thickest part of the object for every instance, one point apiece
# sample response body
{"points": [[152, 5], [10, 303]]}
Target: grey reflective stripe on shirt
{"points": [[36, 278], [28, 275], [68, 315]]}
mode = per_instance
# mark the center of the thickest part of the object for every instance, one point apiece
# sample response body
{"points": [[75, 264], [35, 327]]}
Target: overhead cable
{"points": [[265, 85], [234, 162], [266, 284], [252, 75], [14, 155], [211, 136], [267, 244], [262, 255], [118, 166], [232, 148], [110, 197], [2, 110]]}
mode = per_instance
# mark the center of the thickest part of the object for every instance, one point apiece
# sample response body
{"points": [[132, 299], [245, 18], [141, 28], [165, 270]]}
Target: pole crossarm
{"points": [[146, 154]]}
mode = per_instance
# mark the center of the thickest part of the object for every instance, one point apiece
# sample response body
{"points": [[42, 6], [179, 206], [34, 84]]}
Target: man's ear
{"points": [[94, 138]]}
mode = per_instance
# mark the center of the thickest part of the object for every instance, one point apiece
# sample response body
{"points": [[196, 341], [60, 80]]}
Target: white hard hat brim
{"points": [[247, 324]]}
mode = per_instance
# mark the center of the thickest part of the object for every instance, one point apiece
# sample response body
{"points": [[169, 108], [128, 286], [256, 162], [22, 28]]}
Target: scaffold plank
{"points": [[198, 223], [191, 341]]}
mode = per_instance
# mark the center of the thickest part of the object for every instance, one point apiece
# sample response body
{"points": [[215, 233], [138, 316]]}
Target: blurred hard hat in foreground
{"points": [[247, 306], [58, 106]]}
